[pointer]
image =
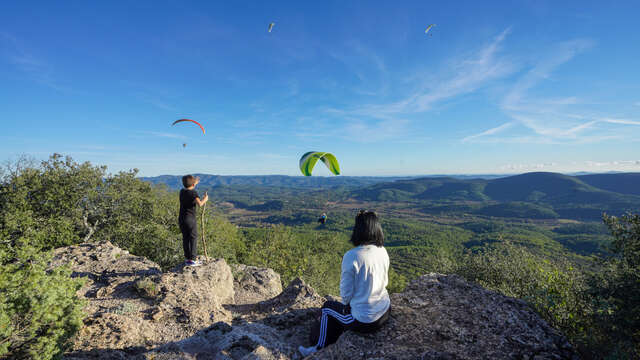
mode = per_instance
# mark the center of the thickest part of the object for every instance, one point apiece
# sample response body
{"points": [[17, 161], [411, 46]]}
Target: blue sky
{"points": [[498, 87]]}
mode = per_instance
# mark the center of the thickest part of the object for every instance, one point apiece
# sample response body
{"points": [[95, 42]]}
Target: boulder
{"points": [[133, 307], [253, 284], [271, 329]]}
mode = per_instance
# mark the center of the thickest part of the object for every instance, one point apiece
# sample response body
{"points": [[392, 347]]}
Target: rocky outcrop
{"points": [[253, 284], [271, 329], [445, 317], [132, 306], [220, 312]]}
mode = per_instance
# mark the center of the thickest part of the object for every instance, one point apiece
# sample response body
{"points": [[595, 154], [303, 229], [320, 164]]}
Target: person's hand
{"points": [[206, 196]]}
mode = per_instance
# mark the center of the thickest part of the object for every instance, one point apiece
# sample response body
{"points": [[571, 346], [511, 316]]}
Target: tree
{"points": [[615, 289], [39, 308]]}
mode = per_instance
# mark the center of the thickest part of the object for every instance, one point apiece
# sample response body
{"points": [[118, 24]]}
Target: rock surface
{"points": [[253, 284], [445, 317], [132, 306], [217, 312]]}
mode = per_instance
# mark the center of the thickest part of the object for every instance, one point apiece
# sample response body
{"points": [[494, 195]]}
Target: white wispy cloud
{"points": [[157, 102], [159, 134], [491, 131], [620, 121], [573, 166], [552, 120], [369, 132], [515, 100], [464, 75], [16, 53]]}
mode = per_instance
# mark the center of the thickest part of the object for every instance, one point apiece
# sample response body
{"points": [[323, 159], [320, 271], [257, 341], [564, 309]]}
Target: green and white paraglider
{"points": [[429, 28], [309, 160]]}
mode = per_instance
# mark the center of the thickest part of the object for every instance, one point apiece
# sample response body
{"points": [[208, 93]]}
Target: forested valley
{"points": [[568, 246]]}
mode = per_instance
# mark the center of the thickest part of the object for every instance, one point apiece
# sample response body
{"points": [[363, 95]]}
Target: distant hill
{"points": [[624, 183], [550, 188], [206, 180], [556, 194], [431, 188]]}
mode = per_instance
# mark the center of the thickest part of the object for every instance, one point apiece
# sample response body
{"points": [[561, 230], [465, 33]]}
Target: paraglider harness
{"points": [[323, 219]]}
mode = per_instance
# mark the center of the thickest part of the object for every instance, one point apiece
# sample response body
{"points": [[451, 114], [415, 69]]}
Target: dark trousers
{"points": [[335, 319], [189, 229]]}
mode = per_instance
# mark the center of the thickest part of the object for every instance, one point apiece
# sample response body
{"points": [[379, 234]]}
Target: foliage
{"points": [[397, 282], [39, 309], [520, 250], [554, 289], [223, 239], [615, 289], [73, 203], [519, 209], [147, 288], [314, 258]]}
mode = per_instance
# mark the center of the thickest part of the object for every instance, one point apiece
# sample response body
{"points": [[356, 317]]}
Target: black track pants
{"points": [[335, 319], [189, 229]]}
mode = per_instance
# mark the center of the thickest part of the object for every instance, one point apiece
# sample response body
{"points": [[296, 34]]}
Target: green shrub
{"points": [[397, 282], [39, 309], [553, 288], [125, 308], [147, 288], [615, 291]]}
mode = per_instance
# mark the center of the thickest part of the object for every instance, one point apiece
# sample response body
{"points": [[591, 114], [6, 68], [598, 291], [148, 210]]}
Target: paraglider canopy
{"points": [[429, 28], [309, 160], [193, 121], [271, 26]]}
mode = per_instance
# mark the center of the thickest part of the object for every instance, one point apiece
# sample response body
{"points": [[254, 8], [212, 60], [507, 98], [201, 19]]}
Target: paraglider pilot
{"points": [[323, 219]]}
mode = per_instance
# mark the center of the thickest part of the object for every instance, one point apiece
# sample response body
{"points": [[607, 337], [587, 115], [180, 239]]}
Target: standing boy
{"points": [[187, 219]]}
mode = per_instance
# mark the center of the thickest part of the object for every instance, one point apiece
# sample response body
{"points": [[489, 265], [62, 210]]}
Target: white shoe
{"points": [[306, 351]]}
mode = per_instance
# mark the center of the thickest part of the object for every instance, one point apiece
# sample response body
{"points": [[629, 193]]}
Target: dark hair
{"points": [[367, 230], [188, 181]]}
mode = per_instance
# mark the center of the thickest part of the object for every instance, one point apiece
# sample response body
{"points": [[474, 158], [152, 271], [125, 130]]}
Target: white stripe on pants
{"points": [[326, 312]]}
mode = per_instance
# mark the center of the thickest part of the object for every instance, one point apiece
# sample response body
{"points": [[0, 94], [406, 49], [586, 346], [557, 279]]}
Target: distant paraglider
{"points": [[184, 145], [271, 26], [309, 160], [323, 219], [429, 28], [193, 121]]}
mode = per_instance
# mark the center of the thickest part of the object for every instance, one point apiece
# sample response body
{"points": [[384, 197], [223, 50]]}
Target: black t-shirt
{"points": [[188, 203]]}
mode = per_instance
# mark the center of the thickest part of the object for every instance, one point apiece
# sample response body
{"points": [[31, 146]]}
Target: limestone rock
{"points": [[445, 317], [123, 322], [268, 330], [253, 284], [137, 312]]}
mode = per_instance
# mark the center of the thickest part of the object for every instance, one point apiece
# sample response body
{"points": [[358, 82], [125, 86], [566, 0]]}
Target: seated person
{"points": [[365, 302]]}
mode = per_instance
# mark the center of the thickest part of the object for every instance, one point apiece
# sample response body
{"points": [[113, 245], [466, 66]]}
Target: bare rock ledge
{"points": [[217, 311]]}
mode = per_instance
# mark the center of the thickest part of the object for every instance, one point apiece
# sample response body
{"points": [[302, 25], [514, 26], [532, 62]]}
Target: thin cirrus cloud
{"points": [[464, 76], [141, 134], [376, 122], [491, 131], [552, 120], [15, 53]]}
